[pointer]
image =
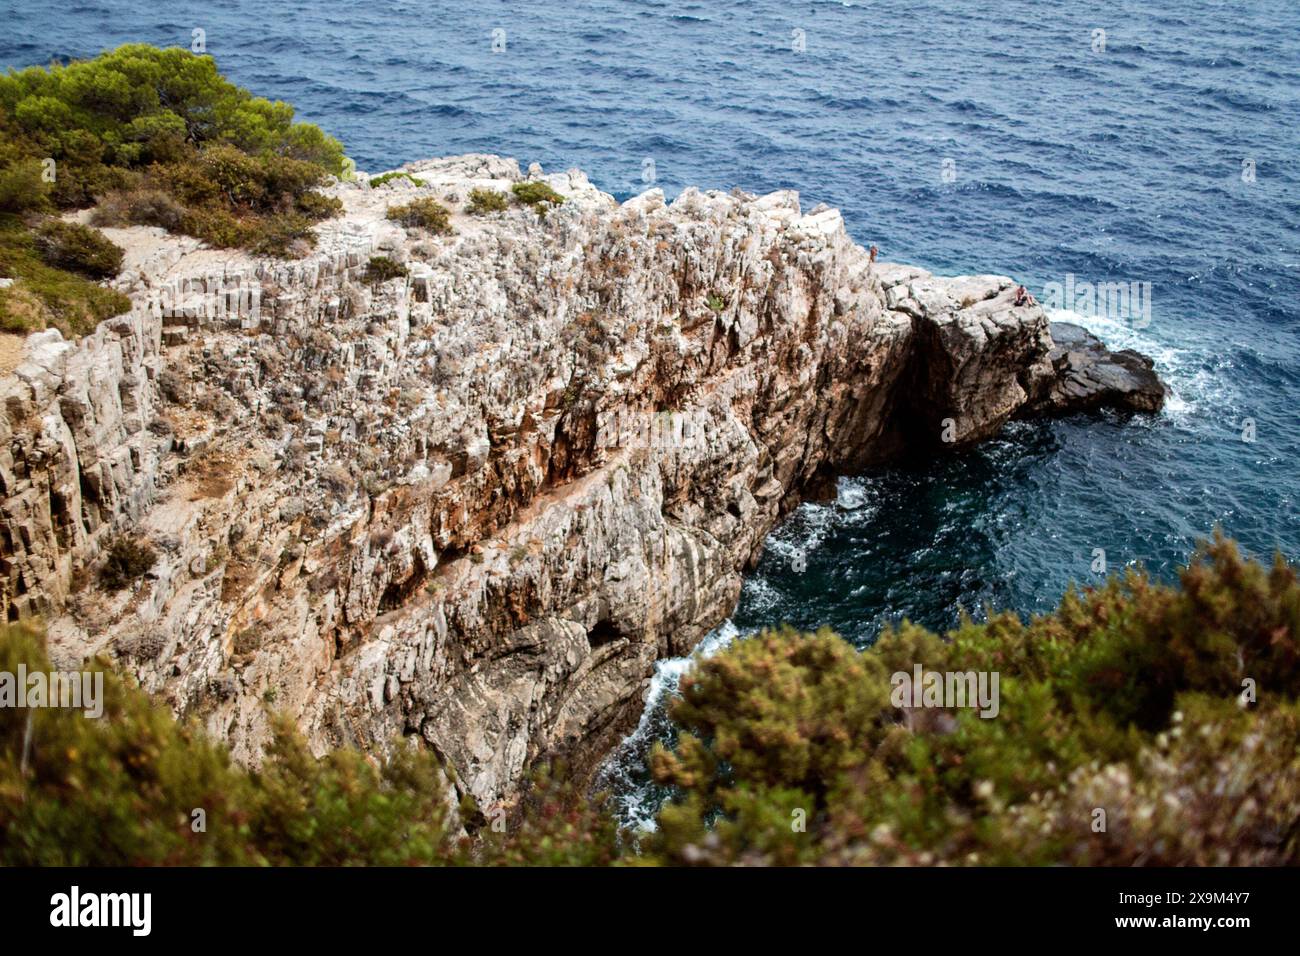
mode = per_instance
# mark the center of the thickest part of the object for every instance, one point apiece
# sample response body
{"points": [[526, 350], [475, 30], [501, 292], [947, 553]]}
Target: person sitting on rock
{"points": [[1023, 297], [871, 254]]}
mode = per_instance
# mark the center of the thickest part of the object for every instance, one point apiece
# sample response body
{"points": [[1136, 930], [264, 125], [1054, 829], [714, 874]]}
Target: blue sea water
{"points": [[963, 137]]}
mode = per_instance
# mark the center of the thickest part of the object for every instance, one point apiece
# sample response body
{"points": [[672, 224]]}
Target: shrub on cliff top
{"points": [[423, 213], [44, 294], [139, 207], [78, 248], [536, 194], [139, 105], [138, 123], [287, 235], [139, 112], [389, 177], [484, 201], [20, 311]]}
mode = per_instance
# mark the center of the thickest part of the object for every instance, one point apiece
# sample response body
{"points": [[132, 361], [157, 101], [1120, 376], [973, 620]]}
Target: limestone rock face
{"points": [[475, 504]]}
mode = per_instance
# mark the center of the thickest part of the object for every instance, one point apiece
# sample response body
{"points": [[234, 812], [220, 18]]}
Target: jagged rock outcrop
{"points": [[1088, 375], [475, 504]]}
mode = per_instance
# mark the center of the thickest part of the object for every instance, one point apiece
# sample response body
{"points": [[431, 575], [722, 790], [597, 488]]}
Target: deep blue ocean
{"points": [[999, 136]]}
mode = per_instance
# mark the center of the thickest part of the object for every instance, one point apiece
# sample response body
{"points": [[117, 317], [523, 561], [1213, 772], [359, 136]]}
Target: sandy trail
{"points": [[11, 351]]}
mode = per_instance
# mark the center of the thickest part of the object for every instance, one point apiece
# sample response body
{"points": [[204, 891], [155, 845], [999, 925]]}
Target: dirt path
{"points": [[11, 351]]}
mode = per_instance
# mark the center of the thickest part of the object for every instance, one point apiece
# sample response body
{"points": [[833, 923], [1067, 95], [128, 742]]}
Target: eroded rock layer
{"points": [[476, 503]]}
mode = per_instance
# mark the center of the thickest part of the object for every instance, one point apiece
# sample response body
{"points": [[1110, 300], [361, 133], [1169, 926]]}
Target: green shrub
{"points": [[135, 104], [123, 790], [139, 207], [317, 206], [237, 177], [22, 187], [21, 311], [73, 305], [128, 560], [554, 823], [483, 201], [47, 295], [287, 235], [395, 174], [215, 226], [163, 139], [422, 213], [1125, 699], [78, 248], [536, 194], [382, 268]]}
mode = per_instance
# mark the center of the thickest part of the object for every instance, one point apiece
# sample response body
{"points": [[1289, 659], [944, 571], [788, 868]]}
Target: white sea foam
{"points": [[805, 530], [637, 802], [852, 495]]}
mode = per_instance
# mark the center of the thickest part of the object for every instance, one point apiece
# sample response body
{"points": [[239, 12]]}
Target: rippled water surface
{"points": [[1119, 164]]}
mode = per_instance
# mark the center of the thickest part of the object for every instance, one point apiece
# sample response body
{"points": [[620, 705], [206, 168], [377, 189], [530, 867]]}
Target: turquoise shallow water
{"points": [[961, 137]]}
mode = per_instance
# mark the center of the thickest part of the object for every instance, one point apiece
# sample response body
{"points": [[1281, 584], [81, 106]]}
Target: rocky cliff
{"points": [[476, 503]]}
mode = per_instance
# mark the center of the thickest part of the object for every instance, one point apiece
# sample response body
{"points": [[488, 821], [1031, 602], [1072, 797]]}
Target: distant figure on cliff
{"points": [[1023, 297], [871, 254]]}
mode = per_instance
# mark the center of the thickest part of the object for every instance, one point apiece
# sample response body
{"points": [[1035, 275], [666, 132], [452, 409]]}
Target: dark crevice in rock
{"points": [[604, 632], [399, 592]]}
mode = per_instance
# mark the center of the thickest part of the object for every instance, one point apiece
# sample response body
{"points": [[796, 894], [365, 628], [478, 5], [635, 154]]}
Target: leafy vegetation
{"points": [[484, 201], [1133, 699], [78, 248], [382, 268], [23, 186], [425, 213], [136, 787], [128, 560], [155, 137], [47, 294], [395, 174], [1174, 710], [536, 194]]}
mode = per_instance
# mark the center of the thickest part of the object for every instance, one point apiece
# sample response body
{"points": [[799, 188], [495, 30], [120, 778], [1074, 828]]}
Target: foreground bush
{"points": [[1126, 734], [124, 788]]}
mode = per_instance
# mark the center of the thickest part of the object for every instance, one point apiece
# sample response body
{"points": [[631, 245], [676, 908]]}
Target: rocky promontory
{"points": [[474, 498]]}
